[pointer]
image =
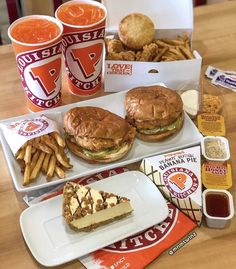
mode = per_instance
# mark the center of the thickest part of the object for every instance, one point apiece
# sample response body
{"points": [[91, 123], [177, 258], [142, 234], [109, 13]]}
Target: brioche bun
{"points": [[155, 111], [97, 135]]}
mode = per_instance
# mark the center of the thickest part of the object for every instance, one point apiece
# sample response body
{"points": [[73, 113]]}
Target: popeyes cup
{"points": [[83, 44], [36, 41]]}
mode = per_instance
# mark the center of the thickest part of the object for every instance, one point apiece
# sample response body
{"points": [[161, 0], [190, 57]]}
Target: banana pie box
{"points": [[178, 176], [171, 19]]}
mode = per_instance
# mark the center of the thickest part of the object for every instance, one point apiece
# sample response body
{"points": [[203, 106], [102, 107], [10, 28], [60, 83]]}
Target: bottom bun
{"points": [[110, 157], [158, 137]]}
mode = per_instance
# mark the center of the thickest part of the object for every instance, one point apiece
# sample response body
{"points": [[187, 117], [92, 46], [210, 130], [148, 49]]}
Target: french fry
{"points": [[45, 163], [177, 53], [50, 142], [168, 58], [159, 56], [27, 157], [59, 139], [37, 167], [60, 172], [51, 167], [62, 159], [33, 150], [173, 42], [26, 179], [186, 52], [40, 145], [34, 160], [20, 154], [162, 44]]}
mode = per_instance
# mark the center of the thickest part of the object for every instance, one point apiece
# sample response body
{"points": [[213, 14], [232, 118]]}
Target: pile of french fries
{"points": [[174, 49], [45, 153]]}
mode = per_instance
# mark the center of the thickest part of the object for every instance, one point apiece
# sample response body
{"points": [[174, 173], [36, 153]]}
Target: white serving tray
{"points": [[52, 242], [188, 136]]}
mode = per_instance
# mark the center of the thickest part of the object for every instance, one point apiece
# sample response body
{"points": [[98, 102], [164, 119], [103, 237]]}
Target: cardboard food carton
{"points": [[171, 18], [178, 176]]}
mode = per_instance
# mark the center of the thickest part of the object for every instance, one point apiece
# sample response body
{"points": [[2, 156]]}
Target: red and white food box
{"points": [[178, 176], [171, 18]]}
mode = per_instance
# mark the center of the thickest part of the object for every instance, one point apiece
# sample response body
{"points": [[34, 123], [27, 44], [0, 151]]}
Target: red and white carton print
{"points": [[40, 72], [178, 176], [139, 250], [18, 132], [83, 57]]}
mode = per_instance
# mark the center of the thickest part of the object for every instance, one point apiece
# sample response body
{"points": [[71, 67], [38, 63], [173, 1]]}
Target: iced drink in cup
{"points": [[83, 44], [36, 41]]}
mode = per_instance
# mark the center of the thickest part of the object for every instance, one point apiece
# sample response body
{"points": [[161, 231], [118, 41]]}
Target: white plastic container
{"points": [[225, 144], [171, 18], [214, 221]]}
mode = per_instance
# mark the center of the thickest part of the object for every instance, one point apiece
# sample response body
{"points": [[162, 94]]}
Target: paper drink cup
{"points": [[83, 44], [36, 41]]}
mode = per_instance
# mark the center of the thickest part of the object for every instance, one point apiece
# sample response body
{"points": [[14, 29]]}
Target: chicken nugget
{"points": [[148, 53], [114, 45], [122, 56]]}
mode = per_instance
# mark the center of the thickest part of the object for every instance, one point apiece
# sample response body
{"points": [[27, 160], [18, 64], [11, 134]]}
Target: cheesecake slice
{"points": [[84, 208]]}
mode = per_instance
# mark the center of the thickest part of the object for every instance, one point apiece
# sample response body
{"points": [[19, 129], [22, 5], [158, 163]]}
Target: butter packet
{"points": [[211, 124], [212, 71], [224, 80], [217, 175]]}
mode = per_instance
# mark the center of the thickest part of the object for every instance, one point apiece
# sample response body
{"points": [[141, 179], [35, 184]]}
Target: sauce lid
{"points": [[211, 124], [215, 148], [217, 175]]}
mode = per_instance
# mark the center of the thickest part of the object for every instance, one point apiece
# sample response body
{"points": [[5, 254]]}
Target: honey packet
{"points": [[217, 175], [211, 124]]}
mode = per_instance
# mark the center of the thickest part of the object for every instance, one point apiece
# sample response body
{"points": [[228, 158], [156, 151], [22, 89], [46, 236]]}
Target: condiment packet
{"points": [[224, 80], [141, 249], [211, 124], [18, 132], [178, 176], [212, 71], [217, 175]]}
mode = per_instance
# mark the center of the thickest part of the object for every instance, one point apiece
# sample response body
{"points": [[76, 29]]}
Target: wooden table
{"points": [[215, 39]]}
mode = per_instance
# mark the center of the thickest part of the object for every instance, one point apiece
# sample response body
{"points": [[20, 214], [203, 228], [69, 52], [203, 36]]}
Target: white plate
{"points": [[52, 242], [188, 136]]}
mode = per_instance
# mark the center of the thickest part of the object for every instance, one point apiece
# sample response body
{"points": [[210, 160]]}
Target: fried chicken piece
{"points": [[148, 53], [122, 56], [114, 45]]}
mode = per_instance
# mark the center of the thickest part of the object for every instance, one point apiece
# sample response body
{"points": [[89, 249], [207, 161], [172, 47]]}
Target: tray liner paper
{"points": [[135, 251]]}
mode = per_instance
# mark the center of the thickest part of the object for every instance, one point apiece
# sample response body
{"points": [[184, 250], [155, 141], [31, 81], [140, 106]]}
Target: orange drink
{"points": [[36, 41], [83, 44]]}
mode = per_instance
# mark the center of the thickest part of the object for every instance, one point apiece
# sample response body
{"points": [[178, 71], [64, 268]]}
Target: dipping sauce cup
{"points": [[83, 44], [218, 207], [36, 41]]}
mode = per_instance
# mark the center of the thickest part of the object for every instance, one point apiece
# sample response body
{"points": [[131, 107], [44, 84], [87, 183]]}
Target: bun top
{"points": [[95, 122], [153, 103]]}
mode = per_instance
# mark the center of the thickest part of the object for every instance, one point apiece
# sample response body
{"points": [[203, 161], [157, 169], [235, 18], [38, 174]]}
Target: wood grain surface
{"points": [[215, 39]]}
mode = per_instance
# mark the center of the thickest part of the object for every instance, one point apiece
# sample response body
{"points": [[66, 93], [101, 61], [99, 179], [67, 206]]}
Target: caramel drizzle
{"points": [[88, 193]]}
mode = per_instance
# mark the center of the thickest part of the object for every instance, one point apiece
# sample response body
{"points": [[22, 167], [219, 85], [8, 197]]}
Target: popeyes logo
{"points": [[149, 237], [32, 127], [119, 69], [40, 75], [83, 54], [181, 182]]}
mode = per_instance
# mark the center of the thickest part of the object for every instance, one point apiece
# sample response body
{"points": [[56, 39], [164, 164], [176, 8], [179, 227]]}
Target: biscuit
{"points": [[136, 30]]}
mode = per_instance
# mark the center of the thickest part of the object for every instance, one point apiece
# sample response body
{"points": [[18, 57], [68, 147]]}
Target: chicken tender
{"points": [[122, 56], [148, 53]]}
